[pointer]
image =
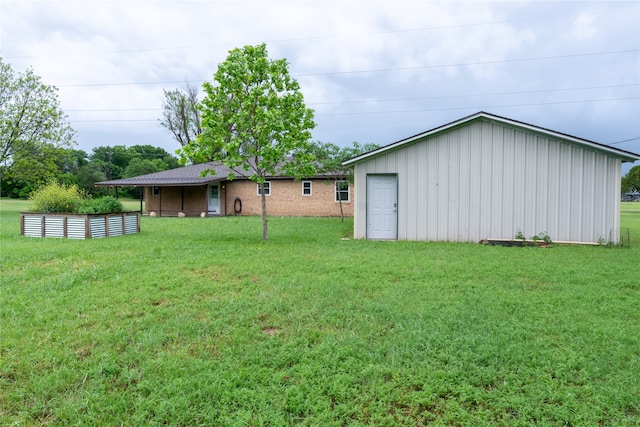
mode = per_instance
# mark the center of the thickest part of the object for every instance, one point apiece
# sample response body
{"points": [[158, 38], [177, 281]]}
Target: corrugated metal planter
{"points": [[78, 226]]}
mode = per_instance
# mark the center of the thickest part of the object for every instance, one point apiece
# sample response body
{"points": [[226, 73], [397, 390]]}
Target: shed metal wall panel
{"points": [[487, 180]]}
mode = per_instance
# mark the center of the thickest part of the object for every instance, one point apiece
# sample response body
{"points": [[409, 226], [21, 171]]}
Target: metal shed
{"points": [[486, 176]]}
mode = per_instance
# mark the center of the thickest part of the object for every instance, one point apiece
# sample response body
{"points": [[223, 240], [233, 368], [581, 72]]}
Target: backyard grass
{"points": [[199, 322]]}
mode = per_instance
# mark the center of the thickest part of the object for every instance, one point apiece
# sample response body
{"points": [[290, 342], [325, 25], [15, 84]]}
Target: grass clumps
{"points": [[197, 321], [60, 198]]}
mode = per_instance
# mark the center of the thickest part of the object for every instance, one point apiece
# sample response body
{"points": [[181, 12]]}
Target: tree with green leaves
{"points": [[631, 181], [255, 121], [29, 170], [329, 159], [112, 160], [32, 124], [140, 166], [121, 161]]}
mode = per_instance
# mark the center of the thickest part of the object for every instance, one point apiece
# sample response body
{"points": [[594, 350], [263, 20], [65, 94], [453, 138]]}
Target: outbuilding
{"points": [[489, 177]]}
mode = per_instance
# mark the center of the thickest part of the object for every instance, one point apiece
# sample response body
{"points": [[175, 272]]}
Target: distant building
{"points": [[182, 191]]}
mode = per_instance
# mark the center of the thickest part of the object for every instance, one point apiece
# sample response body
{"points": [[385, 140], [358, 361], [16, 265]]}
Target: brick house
{"points": [[183, 190]]}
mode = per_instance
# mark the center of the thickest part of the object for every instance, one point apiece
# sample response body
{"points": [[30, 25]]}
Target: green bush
{"points": [[55, 197], [107, 204]]}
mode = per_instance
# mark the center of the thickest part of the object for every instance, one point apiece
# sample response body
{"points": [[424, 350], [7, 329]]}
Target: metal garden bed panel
{"points": [[78, 226]]}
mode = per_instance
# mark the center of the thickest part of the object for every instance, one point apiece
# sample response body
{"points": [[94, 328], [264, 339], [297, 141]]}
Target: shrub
{"points": [[107, 204], [55, 197]]}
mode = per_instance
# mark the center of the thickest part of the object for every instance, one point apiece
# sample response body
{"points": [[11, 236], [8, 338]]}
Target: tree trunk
{"points": [[264, 212], [337, 188]]}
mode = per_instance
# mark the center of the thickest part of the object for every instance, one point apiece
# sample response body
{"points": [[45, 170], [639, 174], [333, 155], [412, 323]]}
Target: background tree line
{"points": [[70, 166]]}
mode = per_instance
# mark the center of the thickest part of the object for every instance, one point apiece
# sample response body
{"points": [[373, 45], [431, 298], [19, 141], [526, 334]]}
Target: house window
{"points": [[342, 191], [306, 188], [156, 191], [267, 188]]}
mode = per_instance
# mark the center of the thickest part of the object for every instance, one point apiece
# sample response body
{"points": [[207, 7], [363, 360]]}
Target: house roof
{"points": [[625, 156], [184, 176], [187, 176]]}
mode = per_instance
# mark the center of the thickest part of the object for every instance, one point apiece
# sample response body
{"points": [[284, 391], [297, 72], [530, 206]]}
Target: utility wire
{"points": [[625, 140], [473, 95], [320, 37], [369, 101], [405, 111], [484, 107], [463, 64], [380, 70]]}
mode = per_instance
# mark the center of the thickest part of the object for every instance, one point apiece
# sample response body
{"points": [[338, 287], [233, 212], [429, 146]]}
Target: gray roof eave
{"points": [[133, 182], [187, 176]]}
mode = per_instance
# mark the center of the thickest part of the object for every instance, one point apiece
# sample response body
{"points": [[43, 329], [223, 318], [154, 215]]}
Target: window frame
{"points": [[337, 191], [310, 188], [267, 188], [155, 190]]}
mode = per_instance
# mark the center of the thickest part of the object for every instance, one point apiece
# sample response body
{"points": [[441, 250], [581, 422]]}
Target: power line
{"points": [[626, 140], [478, 108], [113, 109], [320, 37], [464, 64], [473, 95], [484, 107], [367, 101], [333, 73]]}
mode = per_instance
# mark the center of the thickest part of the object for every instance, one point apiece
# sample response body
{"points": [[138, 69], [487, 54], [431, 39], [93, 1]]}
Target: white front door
{"points": [[214, 199], [382, 207]]}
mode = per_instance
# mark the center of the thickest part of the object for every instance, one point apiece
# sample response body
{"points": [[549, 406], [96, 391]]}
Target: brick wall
{"points": [[286, 199]]}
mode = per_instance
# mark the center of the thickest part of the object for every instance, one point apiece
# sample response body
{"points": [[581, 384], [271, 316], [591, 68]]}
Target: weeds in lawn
{"points": [[198, 322]]}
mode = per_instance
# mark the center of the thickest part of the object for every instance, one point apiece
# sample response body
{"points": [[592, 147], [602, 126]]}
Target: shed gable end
{"points": [[487, 180]]}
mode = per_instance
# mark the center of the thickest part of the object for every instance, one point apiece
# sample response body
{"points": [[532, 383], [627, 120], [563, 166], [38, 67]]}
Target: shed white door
{"points": [[382, 207], [214, 199]]}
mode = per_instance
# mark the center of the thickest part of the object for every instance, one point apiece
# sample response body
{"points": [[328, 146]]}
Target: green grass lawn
{"points": [[199, 322]]}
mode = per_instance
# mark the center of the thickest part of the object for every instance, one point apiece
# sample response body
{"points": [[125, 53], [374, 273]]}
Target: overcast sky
{"points": [[373, 71]]}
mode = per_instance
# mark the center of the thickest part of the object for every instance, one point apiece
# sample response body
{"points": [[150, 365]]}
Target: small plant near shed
{"points": [[542, 236]]}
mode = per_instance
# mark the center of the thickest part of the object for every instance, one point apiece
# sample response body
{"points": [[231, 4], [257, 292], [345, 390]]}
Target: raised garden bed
{"points": [[78, 226]]}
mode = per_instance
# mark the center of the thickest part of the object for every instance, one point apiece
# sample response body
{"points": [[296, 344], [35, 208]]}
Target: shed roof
{"points": [[187, 176], [625, 156]]}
